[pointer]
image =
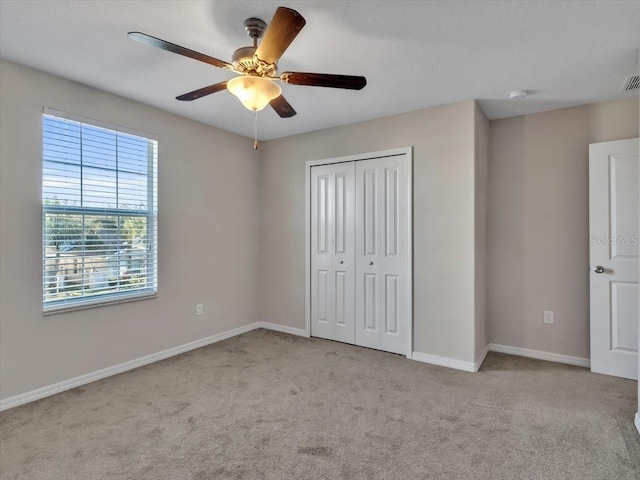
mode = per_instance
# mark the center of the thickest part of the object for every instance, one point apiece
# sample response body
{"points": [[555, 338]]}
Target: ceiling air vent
{"points": [[631, 83]]}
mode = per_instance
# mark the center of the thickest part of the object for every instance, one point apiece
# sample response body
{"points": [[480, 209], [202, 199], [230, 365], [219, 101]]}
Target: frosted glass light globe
{"points": [[255, 93]]}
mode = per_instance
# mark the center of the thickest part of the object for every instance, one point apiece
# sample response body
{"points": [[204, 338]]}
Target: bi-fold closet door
{"points": [[360, 241], [333, 251]]}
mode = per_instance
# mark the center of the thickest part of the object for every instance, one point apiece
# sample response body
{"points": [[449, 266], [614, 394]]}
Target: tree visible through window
{"points": [[99, 214]]}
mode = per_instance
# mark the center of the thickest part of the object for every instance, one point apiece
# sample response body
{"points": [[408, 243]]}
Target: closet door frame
{"points": [[408, 151]]}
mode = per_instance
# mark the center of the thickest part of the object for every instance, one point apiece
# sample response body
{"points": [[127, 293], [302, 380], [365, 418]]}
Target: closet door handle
{"points": [[370, 263], [341, 262]]}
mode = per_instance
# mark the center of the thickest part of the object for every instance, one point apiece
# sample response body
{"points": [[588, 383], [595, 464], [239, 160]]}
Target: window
{"points": [[99, 214]]}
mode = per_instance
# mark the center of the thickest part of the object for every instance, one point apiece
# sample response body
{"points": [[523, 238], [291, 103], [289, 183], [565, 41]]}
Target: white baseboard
{"points": [[281, 328], [39, 393], [540, 355], [637, 421], [492, 347], [478, 362], [444, 361]]}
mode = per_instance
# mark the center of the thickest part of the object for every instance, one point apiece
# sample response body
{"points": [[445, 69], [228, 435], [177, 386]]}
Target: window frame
{"points": [[150, 214]]}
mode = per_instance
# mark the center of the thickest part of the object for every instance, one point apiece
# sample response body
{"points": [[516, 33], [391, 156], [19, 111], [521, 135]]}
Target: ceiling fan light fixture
{"points": [[255, 93], [257, 65]]}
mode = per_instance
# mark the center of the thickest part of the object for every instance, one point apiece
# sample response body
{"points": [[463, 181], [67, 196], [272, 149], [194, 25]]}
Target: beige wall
{"points": [[500, 209], [538, 247], [207, 238], [443, 223], [481, 158]]}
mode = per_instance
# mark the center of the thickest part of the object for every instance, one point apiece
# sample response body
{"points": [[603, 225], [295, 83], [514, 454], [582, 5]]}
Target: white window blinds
{"points": [[99, 209]]}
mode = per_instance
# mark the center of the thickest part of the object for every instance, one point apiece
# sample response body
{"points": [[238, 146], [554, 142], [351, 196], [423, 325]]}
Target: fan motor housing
{"points": [[245, 61]]}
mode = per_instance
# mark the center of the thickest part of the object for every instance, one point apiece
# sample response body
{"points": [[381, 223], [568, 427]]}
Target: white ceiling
{"points": [[414, 54]]}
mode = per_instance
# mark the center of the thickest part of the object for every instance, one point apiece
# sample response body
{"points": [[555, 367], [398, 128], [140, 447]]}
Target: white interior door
{"points": [[333, 252], [614, 251], [383, 283]]}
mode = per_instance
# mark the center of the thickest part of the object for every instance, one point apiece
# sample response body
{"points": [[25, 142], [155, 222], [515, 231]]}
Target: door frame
{"points": [[408, 151]]}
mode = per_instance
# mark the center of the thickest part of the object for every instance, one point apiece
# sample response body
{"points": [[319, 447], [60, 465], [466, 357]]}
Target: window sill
{"points": [[71, 307]]}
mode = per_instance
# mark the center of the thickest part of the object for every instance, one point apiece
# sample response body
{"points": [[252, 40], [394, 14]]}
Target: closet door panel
{"points": [[344, 251], [382, 282], [322, 313], [367, 254], [332, 252], [394, 259]]}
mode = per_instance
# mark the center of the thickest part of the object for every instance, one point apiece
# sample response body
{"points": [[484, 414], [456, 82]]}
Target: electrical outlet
{"points": [[548, 317], [199, 309]]}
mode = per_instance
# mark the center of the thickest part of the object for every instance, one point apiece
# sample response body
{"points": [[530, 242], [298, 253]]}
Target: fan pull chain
{"points": [[255, 130]]}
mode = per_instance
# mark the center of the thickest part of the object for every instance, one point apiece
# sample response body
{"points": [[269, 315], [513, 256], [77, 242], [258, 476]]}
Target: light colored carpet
{"points": [[266, 405]]}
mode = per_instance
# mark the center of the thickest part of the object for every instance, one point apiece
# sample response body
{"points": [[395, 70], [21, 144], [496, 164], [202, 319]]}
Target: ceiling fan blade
{"points": [[284, 27], [202, 92], [282, 107], [324, 80], [172, 47]]}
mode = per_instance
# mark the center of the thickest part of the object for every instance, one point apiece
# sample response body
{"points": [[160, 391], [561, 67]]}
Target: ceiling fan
{"points": [[256, 65]]}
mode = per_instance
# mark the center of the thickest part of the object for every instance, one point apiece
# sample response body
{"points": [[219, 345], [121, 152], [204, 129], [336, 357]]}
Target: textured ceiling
{"points": [[414, 54]]}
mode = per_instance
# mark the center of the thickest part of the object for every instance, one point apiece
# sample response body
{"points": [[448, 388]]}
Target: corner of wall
{"points": [[637, 419], [481, 181]]}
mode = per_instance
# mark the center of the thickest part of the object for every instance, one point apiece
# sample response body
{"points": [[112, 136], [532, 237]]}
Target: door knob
{"points": [[341, 262], [598, 269], [370, 263]]}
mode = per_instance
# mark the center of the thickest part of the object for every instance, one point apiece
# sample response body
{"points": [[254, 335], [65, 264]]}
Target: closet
{"points": [[360, 250]]}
